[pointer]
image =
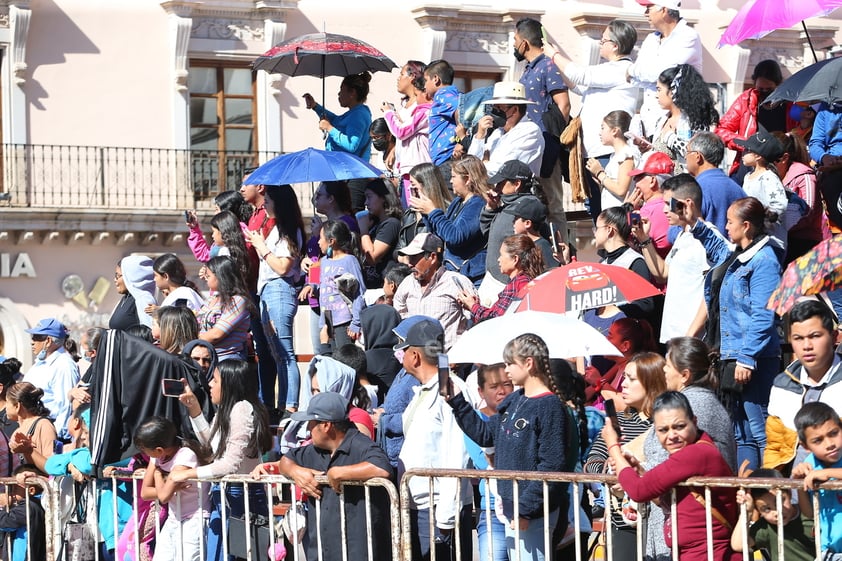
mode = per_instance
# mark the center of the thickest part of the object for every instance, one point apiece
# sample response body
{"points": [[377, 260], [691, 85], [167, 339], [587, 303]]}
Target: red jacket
{"points": [[740, 122]]}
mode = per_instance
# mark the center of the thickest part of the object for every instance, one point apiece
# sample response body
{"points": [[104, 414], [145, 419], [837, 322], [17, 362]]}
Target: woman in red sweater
{"points": [[692, 453]]}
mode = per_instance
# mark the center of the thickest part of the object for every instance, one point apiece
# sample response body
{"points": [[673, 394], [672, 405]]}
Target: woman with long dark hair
{"points": [[238, 437], [684, 95], [280, 270], [379, 230], [224, 318], [171, 279]]}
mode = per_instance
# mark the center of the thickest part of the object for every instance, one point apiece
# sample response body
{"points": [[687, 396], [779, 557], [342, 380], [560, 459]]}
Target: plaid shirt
{"points": [[504, 300]]}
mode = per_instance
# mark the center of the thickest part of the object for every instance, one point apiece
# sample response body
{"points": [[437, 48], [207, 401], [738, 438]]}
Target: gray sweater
{"points": [[497, 226]]}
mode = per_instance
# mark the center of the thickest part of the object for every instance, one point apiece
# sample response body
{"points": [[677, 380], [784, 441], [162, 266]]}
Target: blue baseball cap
{"points": [[402, 329], [426, 332], [51, 327]]}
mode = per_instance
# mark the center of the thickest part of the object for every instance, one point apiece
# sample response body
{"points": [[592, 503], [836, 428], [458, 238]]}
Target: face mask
{"points": [[399, 355], [519, 56], [42, 355], [329, 252], [86, 358], [498, 117], [380, 144]]}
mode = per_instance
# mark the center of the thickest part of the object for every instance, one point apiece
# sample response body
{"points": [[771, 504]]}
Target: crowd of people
{"points": [[186, 383]]}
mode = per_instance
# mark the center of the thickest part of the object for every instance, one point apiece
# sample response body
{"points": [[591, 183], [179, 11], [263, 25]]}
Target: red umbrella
{"points": [[323, 54], [583, 286]]}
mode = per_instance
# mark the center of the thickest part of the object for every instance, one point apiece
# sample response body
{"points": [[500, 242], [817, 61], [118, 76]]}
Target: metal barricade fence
{"points": [[58, 494], [776, 486], [46, 500], [253, 537]]}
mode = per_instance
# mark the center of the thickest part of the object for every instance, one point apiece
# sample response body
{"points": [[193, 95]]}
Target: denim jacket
{"points": [[748, 328]]}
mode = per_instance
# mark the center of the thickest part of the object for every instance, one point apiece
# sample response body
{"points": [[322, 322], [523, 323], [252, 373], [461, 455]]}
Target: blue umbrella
{"points": [[311, 165]]}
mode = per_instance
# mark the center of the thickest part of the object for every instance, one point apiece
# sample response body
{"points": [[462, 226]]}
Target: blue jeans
{"points": [[278, 304], [235, 506], [498, 538], [266, 369], [531, 542], [750, 413]]}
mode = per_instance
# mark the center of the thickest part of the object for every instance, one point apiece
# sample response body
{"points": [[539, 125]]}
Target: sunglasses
{"points": [[39, 338]]}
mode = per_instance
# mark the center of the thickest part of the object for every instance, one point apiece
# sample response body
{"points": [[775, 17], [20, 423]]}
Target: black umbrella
{"points": [[821, 81], [323, 54]]}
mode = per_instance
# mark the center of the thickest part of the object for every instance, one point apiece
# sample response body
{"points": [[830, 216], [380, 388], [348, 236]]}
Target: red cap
{"points": [[656, 163]]}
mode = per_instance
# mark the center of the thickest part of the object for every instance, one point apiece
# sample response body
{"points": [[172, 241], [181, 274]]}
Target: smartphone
{"points": [[634, 218], [638, 140], [188, 216], [461, 285], [444, 376], [172, 388], [611, 415], [676, 206], [554, 238]]}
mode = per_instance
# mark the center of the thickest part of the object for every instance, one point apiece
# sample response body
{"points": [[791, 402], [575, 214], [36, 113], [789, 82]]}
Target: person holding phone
{"points": [[522, 261], [529, 433], [410, 124], [643, 381], [238, 436], [459, 226]]}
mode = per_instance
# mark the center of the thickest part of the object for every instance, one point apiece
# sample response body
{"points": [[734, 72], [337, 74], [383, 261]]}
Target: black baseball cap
{"points": [[511, 170]]}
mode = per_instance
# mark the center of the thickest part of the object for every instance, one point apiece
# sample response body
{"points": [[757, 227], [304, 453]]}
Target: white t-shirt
{"points": [[612, 171], [194, 299], [185, 502], [280, 248], [688, 262]]}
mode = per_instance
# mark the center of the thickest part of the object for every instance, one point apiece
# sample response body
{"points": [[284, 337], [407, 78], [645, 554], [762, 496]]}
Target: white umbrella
{"points": [[565, 338]]}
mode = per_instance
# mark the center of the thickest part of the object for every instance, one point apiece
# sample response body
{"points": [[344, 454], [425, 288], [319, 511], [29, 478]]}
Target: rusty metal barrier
{"points": [[47, 501], [274, 486], [775, 486]]}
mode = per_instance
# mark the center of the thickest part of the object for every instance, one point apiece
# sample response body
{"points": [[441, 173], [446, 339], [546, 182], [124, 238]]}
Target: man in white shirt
{"points": [[516, 137], [673, 42], [54, 370], [685, 265], [433, 439]]}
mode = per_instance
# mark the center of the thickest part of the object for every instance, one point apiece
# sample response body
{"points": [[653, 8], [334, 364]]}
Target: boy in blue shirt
{"points": [[820, 432]]}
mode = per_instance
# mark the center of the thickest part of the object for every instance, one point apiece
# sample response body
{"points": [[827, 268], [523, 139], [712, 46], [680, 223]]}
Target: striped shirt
{"points": [[233, 321]]}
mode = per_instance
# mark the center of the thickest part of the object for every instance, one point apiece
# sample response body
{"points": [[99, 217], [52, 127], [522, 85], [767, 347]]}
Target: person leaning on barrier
{"points": [[340, 452], [761, 505], [691, 453]]}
